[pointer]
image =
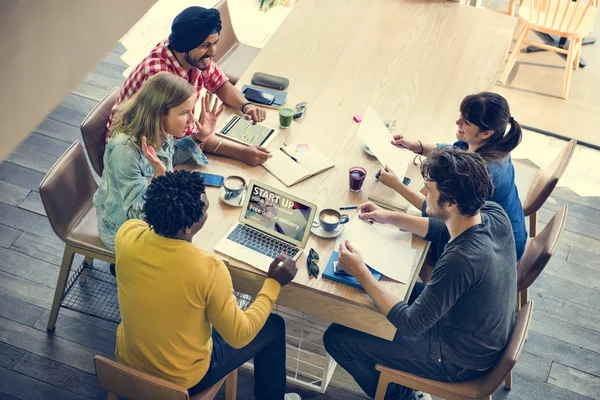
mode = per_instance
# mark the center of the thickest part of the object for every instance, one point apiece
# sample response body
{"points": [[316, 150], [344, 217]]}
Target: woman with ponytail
{"points": [[486, 127]]}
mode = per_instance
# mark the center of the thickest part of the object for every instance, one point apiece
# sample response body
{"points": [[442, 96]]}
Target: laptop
{"points": [[271, 222]]}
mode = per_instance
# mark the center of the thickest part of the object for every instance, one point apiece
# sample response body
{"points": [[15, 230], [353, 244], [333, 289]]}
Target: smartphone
{"points": [[259, 97], [212, 180]]}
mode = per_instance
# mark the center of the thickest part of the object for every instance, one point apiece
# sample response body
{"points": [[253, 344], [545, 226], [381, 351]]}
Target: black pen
{"points": [[349, 208], [288, 154]]}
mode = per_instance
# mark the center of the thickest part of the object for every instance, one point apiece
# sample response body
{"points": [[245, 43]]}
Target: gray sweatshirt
{"points": [[470, 301]]}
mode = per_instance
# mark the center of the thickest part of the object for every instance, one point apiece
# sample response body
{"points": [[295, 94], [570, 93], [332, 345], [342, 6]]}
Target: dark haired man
{"points": [[455, 327], [172, 295]]}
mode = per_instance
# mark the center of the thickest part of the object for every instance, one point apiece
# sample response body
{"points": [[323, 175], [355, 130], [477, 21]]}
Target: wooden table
{"points": [[413, 61]]}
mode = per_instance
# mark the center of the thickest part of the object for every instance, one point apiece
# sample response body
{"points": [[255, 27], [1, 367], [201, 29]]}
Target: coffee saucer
{"points": [[368, 150], [322, 233], [237, 201]]}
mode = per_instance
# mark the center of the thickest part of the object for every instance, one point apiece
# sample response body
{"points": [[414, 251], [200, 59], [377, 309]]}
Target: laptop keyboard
{"points": [[258, 241]]}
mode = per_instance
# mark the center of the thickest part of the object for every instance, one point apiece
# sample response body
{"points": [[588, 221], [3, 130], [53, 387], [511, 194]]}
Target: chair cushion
{"points": [[236, 62], [84, 233]]}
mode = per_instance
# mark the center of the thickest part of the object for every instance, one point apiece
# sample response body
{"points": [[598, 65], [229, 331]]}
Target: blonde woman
{"points": [[142, 147]]}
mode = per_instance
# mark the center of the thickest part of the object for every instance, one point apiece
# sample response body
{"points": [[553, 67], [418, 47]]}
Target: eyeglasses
{"points": [[311, 263]]}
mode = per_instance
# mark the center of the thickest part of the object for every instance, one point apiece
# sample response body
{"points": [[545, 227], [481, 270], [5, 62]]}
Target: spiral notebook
{"points": [[388, 198]]}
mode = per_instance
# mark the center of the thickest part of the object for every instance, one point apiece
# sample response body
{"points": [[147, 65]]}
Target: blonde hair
{"points": [[141, 115]]}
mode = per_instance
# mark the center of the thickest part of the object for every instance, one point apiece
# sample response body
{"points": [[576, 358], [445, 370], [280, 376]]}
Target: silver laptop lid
{"points": [[278, 213]]}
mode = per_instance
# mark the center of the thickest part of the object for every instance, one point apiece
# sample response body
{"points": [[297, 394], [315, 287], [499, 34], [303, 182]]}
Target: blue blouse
{"points": [[505, 194], [127, 173]]}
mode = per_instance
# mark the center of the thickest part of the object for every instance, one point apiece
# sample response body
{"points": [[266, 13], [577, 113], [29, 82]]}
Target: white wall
{"points": [[46, 48]]}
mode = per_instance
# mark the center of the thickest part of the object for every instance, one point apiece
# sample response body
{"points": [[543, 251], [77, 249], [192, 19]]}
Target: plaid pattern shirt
{"points": [[161, 58]]}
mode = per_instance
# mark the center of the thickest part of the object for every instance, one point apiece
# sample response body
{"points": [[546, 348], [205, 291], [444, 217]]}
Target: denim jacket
{"points": [[127, 173]]}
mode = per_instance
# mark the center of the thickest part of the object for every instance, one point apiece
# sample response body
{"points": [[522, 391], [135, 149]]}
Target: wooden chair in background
{"points": [[544, 183], [572, 19], [480, 388], [232, 56], [122, 381]]}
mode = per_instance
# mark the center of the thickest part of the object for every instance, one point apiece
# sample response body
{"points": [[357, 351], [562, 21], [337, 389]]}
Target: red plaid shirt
{"points": [[162, 59]]}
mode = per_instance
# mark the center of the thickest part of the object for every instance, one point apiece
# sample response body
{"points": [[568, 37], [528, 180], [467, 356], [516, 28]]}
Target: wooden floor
{"points": [[561, 359]]}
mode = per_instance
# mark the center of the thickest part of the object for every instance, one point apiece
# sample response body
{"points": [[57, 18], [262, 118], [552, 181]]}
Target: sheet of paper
{"points": [[384, 248], [373, 132]]}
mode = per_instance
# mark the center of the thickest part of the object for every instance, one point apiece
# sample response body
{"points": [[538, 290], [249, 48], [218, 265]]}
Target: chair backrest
{"points": [[559, 15], [488, 383], [127, 382], [539, 250], [546, 179], [227, 38], [67, 190], [93, 130]]}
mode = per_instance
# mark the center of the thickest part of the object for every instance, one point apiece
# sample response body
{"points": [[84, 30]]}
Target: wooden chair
{"points": [[480, 388], [67, 191], [122, 381], [232, 56], [544, 183], [93, 130], [572, 19]]}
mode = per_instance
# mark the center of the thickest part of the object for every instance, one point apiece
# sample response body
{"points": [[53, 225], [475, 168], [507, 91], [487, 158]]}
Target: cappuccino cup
{"points": [[330, 219], [234, 186]]}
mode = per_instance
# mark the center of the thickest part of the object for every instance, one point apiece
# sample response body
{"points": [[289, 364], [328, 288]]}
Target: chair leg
{"points": [[577, 54], [65, 268], [88, 264], [508, 381], [524, 297], [511, 7], [382, 385], [533, 224], [231, 385], [569, 69], [513, 56]]}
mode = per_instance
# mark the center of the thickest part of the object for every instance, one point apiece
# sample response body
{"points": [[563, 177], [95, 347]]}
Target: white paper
{"points": [[373, 132], [384, 248]]}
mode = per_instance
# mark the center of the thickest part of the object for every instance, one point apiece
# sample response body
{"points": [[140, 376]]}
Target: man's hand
{"points": [[283, 269], [371, 213], [255, 155], [208, 120], [404, 143], [254, 113], [351, 261], [388, 177]]}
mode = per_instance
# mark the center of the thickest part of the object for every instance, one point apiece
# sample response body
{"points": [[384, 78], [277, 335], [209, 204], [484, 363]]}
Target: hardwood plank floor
{"points": [[561, 358]]}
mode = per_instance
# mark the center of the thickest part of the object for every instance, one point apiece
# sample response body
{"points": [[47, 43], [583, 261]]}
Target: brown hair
{"points": [[141, 115], [490, 111]]}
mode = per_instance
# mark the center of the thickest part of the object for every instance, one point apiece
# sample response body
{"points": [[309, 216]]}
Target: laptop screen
{"points": [[278, 213]]}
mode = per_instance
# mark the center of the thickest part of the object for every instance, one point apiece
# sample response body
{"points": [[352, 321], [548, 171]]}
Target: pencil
{"points": [[349, 208]]}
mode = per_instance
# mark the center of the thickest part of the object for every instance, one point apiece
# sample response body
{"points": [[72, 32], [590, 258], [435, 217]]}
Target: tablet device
{"points": [[241, 130]]}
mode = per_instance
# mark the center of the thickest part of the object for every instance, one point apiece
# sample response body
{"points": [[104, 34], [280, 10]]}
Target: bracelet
{"points": [[217, 148], [422, 149], [243, 106]]}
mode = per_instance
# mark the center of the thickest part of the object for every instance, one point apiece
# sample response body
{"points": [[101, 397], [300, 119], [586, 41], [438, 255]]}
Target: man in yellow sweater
{"points": [[172, 294]]}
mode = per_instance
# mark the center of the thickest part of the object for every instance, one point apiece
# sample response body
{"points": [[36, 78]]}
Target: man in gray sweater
{"points": [[455, 327]]}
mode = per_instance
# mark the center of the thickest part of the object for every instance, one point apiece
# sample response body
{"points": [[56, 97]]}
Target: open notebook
{"points": [[308, 162], [388, 198]]}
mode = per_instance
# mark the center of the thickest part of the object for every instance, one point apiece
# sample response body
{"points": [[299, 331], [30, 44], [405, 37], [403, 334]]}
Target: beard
{"points": [[198, 63], [436, 211]]}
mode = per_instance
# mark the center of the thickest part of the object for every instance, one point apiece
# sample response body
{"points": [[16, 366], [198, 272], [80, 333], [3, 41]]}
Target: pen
{"points": [[349, 208], [288, 154]]}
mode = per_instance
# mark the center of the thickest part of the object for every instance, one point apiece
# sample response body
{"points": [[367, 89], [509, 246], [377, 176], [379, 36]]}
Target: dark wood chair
{"points": [[232, 56], [122, 381], [480, 388]]}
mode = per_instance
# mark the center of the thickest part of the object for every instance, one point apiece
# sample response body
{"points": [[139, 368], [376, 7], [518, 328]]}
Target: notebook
{"points": [[280, 96], [388, 198], [306, 162], [329, 273]]}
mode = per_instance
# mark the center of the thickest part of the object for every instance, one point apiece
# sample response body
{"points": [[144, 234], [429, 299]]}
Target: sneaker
{"points": [[422, 396], [293, 396]]}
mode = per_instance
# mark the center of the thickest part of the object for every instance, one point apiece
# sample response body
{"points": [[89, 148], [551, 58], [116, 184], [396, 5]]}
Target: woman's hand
{"points": [[208, 120], [389, 178], [255, 155], [150, 153], [404, 143]]}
